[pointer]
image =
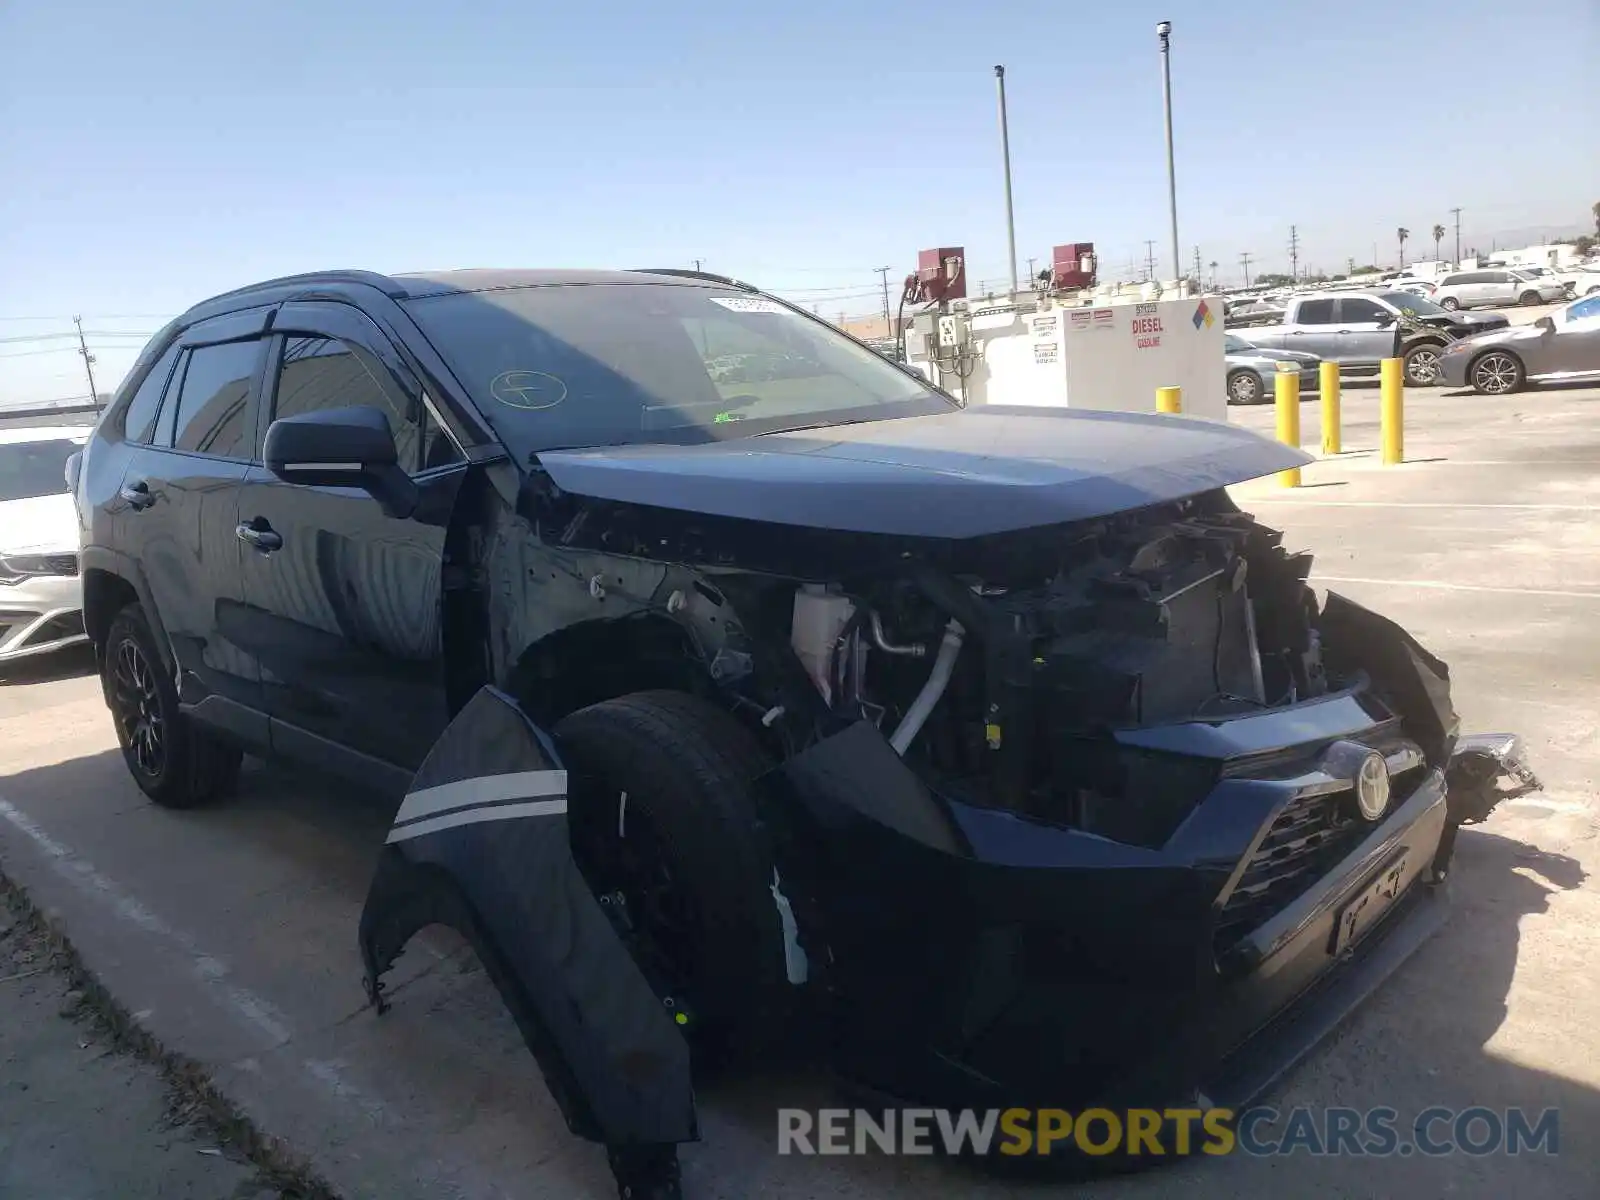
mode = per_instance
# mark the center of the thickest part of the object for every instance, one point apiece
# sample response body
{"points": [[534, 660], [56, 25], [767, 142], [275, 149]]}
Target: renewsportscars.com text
{"points": [[1176, 1132]]}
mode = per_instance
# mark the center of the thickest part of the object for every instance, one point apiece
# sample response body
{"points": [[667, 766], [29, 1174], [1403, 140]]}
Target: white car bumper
{"points": [[40, 613]]}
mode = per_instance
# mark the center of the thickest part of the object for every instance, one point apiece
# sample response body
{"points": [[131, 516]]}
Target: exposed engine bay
{"points": [[1005, 674]]}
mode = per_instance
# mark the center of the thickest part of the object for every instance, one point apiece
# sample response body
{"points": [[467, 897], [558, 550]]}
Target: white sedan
{"points": [[41, 595]]}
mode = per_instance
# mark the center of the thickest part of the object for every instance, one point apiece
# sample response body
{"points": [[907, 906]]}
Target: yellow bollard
{"points": [[1169, 399], [1393, 411], [1331, 441], [1287, 388]]}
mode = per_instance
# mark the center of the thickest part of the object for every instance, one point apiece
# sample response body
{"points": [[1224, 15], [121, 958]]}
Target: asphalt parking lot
{"points": [[230, 933]]}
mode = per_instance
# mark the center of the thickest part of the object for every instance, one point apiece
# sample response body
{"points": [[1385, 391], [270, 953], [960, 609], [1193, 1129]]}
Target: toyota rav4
{"points": [[741, 687]]}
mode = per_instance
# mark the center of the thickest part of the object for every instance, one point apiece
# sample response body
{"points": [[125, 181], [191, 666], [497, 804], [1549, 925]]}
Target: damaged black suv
{"points": [[738, 683]]}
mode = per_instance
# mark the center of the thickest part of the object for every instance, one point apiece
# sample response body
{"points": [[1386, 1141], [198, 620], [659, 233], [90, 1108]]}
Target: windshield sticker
{"points": [[531, 390], [748, 304]]}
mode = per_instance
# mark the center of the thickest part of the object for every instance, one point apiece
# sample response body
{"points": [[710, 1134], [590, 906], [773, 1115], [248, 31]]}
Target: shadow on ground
{"points": [[70, 663]]}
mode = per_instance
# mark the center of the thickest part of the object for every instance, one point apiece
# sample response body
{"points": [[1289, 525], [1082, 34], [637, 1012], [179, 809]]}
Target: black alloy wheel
{"points": [[136, 706]]}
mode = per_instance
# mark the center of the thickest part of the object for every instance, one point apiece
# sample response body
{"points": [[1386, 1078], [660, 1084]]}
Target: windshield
{"points": [[29, 469], [1412, 304], [1237, 345], [580, 365]]}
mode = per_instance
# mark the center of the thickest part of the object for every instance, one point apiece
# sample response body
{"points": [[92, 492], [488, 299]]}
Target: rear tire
{"points": [[1529, 299], [1245, 387], [1450, 302], [174, 761], [1496, 373], [661, 814]]}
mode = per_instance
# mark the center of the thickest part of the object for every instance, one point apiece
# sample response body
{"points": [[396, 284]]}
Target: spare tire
{"points": [[664, 827]]}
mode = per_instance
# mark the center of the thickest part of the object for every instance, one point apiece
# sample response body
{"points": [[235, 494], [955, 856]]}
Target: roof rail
{"points": [[684, 273], [370, 279]]}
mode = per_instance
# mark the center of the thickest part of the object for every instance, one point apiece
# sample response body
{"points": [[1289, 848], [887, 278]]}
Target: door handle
{"points": [[260, 535], [137, 495]]}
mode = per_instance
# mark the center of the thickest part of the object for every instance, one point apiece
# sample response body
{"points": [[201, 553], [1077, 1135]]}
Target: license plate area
{"points": [[1360, 912]]}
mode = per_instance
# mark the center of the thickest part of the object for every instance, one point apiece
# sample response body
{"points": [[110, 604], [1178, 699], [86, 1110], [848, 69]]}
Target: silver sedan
{"points": [[1565, 345], [1251, 370]]}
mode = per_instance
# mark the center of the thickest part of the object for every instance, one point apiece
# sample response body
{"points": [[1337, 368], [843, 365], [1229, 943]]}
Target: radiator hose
{"points": [[932, 690]]}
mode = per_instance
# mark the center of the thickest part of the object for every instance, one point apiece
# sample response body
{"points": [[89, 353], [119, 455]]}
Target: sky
{"points": [[153, 155]]}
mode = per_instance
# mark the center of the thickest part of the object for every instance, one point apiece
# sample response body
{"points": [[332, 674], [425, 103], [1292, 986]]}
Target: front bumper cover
{"points": [[40, 613]]}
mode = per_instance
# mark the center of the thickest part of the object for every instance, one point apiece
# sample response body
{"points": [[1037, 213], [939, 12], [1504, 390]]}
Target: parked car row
{"points": [[1358, 330], [1486, 354]]}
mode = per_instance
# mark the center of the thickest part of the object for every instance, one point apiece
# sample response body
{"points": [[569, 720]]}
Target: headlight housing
{"points": [[14, 568]]}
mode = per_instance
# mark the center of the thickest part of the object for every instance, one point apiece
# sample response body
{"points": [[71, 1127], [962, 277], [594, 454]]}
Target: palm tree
{"points": [[1402, 233], [1438, 236]]}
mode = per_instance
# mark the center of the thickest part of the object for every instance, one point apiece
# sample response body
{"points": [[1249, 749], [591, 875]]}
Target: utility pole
{"points": [[1199, 279], [1149, 260], [697, 264], [888, 322], [88, 362], [1457, 213], [1245, 259], [1032, 278], [1005, 154], [1164, 33], [1294, 252], [1350, 266], [1215, 281]]}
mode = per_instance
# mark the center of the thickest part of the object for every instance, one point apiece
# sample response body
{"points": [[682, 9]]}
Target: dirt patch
{"points": [[40, 968]]}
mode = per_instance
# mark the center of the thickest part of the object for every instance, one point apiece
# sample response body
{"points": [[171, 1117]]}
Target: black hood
{"points": [[1479, 322], [957, 475], [1463, 324]]}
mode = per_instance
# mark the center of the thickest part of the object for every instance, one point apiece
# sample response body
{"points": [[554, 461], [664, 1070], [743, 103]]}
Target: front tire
{"points": [[175, 762], [1422, 366], [663, 822], [1450, 302], [1529, 299], [1497, 373], [1245, 387]]}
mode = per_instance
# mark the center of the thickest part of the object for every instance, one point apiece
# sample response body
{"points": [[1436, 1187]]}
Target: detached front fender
{"points": [[480, 844]]}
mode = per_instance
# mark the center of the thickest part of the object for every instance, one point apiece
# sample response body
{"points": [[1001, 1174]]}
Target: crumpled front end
{"points": [[983, 956]]}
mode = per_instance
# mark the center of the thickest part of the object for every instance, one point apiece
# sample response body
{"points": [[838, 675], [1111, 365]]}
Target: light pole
{"points": [[1164, 32], [1005, 154]]}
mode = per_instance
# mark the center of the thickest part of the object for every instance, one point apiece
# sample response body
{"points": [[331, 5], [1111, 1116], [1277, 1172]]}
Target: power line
{"points": [[32, 353], [94, 333]]}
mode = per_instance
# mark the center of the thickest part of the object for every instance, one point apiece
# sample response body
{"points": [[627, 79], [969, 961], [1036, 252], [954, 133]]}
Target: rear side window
{"points": [[214, 414], [1315, 312], [1452, 280], [321, 373], [1358, 308], [139, 419], [1496, 277]]}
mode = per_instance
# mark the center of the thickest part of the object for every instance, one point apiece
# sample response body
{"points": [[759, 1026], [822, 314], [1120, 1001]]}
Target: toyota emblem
{"points": [[1372, 787]]}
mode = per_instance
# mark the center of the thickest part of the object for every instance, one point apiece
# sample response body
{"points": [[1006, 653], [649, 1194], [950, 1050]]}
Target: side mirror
{"points": [[1546, 324], [73, 468], [1385, 320], [342, 447]]}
